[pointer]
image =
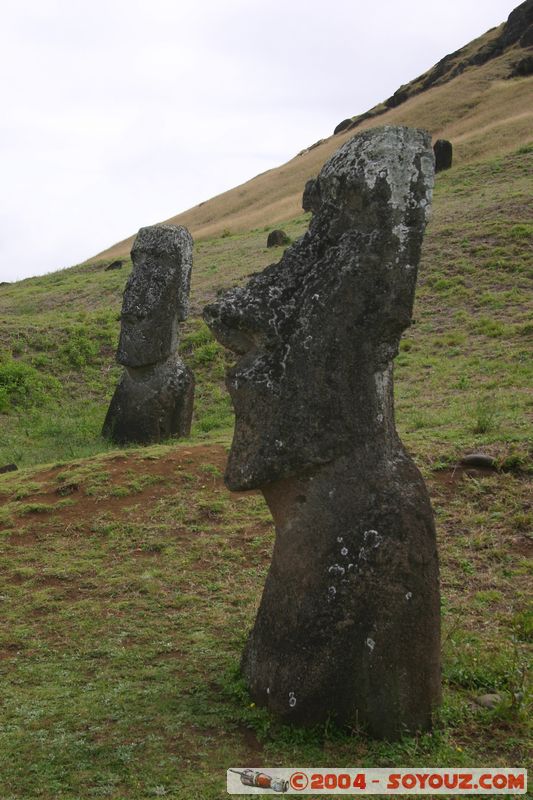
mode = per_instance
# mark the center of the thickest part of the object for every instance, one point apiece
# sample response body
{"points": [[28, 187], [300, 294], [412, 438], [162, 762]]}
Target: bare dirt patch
{"points": [[123, 470]]}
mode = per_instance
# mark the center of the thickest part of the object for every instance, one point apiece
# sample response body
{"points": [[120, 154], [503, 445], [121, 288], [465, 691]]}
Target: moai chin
{"points": [[348, 624], [154, 398]]}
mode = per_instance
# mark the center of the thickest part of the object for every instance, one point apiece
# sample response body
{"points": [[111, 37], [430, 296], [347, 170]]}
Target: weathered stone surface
{"points": [[156, 298], [154, 399], [277, 238], [526, 40], [151, 403], [348, 626], [443, 154], [518, 21]]}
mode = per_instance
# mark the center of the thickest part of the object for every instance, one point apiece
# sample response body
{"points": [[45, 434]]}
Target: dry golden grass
{"points": [[480, 111]]}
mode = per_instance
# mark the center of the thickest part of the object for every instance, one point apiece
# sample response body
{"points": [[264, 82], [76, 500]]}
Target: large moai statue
{"points": [[154, 398], [348, 624]]}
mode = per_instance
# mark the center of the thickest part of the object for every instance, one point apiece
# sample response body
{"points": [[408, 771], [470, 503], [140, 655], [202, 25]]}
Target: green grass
{"points": [[130, 577], [462, 375], [124, 626]]}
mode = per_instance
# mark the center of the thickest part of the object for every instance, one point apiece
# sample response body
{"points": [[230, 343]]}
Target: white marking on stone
{"points": [[384, 399], [292, 699], [339, 538], [285, 356], [374, 535], [402, 232], [400, 172], [344, 551], [370, 643], [408, 595]]}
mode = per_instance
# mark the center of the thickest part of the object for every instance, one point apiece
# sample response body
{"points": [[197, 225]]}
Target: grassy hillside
{"points": [[461, 378], [482, 111], [129, 581], [131, 576]]}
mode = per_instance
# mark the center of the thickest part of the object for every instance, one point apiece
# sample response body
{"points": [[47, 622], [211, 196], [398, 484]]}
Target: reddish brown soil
{"points": [[122, 469]]}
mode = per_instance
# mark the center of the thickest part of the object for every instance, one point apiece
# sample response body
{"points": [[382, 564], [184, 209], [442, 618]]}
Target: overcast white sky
{"points": [[121, 113]]}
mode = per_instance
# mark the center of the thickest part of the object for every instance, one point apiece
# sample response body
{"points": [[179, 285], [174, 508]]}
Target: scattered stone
{"points": [[8, 468], [399, 97], [443, 154], [154, 398], [67, 488], [489, 700], [118, 264], [277, 238], [349, 618], [522, 68], [343, 126], [479, 460]]}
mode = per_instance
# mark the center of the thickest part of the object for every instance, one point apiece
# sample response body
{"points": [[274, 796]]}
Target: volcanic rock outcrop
{"points": [[517, 33], [348, 625], [154, 398], [343, 126]]}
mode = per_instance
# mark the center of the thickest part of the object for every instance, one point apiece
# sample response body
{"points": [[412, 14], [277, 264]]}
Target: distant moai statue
{"points": [[348, 627], [154, 398], [276, 238], [443, 154]]}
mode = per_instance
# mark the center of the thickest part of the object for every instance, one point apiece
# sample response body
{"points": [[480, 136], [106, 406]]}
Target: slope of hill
{"points": [[468, 348], [128, 581], [130, 575], [469, 98]]}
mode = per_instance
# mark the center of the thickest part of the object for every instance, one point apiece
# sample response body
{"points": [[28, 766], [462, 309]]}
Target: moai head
{"points": [[156, 297], [316, 333], [443, 150]]}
